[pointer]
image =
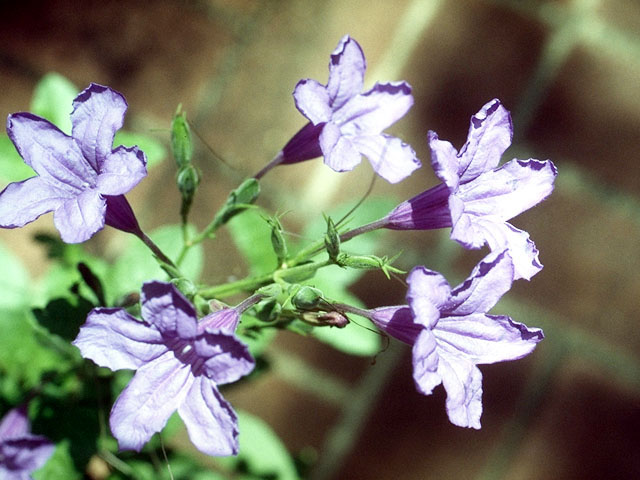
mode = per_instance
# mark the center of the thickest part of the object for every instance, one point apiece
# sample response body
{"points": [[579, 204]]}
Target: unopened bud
{"points": [[307, 298], [268, 310], [277, 240], [332, 240], [181, 145]]}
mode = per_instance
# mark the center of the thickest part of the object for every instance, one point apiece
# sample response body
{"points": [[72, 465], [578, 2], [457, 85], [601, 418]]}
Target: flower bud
{"points": [[277, 240], [237, 201], [268, 310], [307, 298], [332, 240], [181, 145]]}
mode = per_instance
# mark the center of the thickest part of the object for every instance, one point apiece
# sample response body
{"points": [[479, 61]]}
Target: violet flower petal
{"points": [[227, 358], [209, 418], [114, 339], [486, 338], [346, 72], [165, 307], [462, 381], [425, 362], [509, 190], [156, 391], [375, 110], [489, 280], [390, 157], [23, 202], [79, 217], [397, 322], [22, 456], [444, 160], [312, 99], [121, 171], [98, 112], [490, 134], [54, 156], [15, 424], [339, 153], [428, 291]]}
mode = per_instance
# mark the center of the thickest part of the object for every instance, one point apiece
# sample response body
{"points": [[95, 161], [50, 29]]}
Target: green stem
{"points": [[157, 252], [252, 283], [317, 246]]}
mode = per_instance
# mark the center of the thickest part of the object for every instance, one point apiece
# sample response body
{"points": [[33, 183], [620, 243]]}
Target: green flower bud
{"points": [[237, 201], [277, 240], [188, 180], [181, 145], [332, 240], [307, 298]]}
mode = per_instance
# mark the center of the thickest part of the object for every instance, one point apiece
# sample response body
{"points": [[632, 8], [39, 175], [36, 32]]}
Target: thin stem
{"points": [[251, 283], [156, 250], [277, 160]]}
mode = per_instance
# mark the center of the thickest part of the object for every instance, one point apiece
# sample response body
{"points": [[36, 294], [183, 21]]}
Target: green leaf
{"points": [[23, 357], [14, 281], [63, 316], [60, 465], [252, 236], [154, 150], [53, 99], [136, 265], [261, 451], [12, 167]]}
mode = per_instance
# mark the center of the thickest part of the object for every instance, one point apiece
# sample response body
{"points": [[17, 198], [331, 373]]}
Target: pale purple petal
{"points": [[114, 339], [346, 72], [427, 210], [121, 171], [339, 153], [23, 202], [484, 338], [53, 155], [312, 99], [490, 134], [397, 322], [79, 217], [22, 456], [225, 319], [15, 424], [156, 391], [375, 110], [227, 358], [509, 190], [165, 307], [390, 157], [210, 420], [425, 363], [428, 291], [463, 382], [490, 279], [444, 160], [98, 112], [472, 232]]}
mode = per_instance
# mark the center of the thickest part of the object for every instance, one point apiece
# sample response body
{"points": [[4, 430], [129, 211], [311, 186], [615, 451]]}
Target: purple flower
{"points": [[451, 332], [478, 197], [21, 453], [178, 361], [346, 124], [79, 177]]}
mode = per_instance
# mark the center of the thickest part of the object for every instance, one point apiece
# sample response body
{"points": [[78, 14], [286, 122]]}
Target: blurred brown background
{"points": [[569, 72]]}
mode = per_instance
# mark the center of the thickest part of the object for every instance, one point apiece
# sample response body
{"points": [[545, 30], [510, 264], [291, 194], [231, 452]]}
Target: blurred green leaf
{"points": [[262, 453], [136, 265], [252, 236], [14, 282], [23, 358], [60, 465], [154, 150], [53, 99], [256, 341], [12, 167]]}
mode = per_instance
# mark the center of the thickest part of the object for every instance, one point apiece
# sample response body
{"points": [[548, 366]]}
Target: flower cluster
{"points": [[185, 346]]}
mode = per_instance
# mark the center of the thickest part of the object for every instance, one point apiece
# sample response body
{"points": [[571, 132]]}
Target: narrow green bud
{"points": [[181, 144], [238, 200], [277, 240], [368, 262], [307, 298], [332, 240], [188, 180], [186, 286]]}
